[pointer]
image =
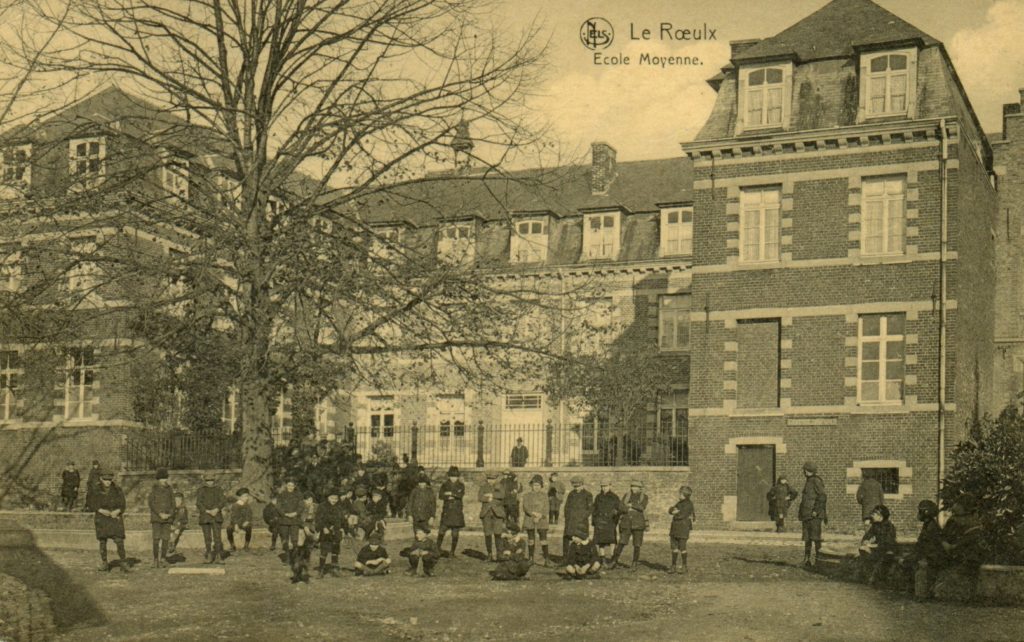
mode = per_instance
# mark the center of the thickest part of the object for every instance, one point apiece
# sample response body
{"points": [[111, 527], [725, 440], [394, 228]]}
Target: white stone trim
{"points": [[729, 508], [756, 440]]}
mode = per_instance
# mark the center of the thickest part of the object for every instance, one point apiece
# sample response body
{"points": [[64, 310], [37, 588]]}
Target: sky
{"points": [[645, 112]]}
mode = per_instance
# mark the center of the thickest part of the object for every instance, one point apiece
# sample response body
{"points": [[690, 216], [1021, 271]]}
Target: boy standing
{"points": [[108, 501], [779, 498], [373, 558], [511, 488], [92, 485], [69, 483], [535, 517], [492, 512], [607, 508], [422, 504], [632, 523], [331, 519], [683, 517], [272, 517], [209, 504], [556, 495], [422, 553], [290, 504], [240, 516], [812, 512], [179, 522], [161, 516], [579, 504], [452, 515]]}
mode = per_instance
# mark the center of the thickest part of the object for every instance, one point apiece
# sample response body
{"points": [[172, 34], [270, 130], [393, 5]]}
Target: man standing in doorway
{"points": [[812, 512]]}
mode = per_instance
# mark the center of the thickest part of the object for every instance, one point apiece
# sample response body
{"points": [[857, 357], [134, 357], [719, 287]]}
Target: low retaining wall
{"points": [[25, 614], [1000, 584]]}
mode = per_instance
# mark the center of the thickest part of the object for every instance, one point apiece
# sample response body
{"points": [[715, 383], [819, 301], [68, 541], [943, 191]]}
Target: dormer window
{"points": [[888, 83], [88, 159], [677, 231], [764, 97], [455, 243], [601, 235], [382, 243], [529, 241], [174, 177], [17, 168]]}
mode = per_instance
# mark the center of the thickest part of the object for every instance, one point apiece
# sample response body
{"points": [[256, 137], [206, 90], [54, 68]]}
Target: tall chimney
{"points": [[602, 167]]}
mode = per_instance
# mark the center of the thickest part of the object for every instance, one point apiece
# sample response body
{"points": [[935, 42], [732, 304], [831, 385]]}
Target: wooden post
{"points": [[414, 447], [549, 440], [480, 444]]}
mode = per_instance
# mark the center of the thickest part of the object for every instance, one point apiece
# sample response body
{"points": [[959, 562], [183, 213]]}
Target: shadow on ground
{"points": [[21, 558]]}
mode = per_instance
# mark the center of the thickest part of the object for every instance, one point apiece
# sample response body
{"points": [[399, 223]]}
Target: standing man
{"points": [[812, 512], [869, 496], [108, 502], [92, 485], [290, 503], [422, 505], [492, 512], [161, 516], [70, 480], [209, 505], [607, 508], [579, 504], [633, 523], [520, 454], [452, 515], [512, 488]]}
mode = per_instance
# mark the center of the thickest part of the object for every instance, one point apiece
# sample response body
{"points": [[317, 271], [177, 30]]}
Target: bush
{"points": [[990, 466]]}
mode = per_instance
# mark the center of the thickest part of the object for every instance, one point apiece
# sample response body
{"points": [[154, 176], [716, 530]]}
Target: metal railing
{"points": [[548, 445], [178, 450]]}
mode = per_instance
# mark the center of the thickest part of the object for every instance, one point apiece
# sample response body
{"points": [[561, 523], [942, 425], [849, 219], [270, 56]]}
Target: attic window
{"points": [[764, 97], [601, 235], [529, 241], [455, 243], [16, 165], [677, 231], [888, 83], [88, 159], [174, 177]]}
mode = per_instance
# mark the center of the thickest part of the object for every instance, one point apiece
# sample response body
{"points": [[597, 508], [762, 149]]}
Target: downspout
{"points": [[943, 241], [561, 346]]}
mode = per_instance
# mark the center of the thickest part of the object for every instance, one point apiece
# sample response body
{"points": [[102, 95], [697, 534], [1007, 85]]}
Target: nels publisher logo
{"points": [[596, 33]]}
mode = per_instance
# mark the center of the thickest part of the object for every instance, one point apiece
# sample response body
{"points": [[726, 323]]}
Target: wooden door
{"points": [[755, 467]]}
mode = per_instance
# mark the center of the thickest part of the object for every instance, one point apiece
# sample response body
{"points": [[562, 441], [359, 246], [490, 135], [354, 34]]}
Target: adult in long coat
{"points": [[579, 504], [453, 517], [109, 504], [210, 502], [422, 505], [869, 496], [92, 484], [607, 509], [812, 512]]}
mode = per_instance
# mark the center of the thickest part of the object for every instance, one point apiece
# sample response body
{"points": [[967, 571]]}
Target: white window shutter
{"points": [[862, 94], [787, 95], [741, 101], [912, 83]]}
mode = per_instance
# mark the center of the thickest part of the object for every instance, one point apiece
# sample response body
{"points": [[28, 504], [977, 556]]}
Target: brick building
{"points": [[843, 265]]}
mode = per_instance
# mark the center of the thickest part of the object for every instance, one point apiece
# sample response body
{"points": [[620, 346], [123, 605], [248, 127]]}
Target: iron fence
{"points": [[550, 445], [178, 450]]}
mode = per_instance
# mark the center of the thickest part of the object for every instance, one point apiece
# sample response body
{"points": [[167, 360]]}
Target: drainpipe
{"points": [[561, 347], [944, 239]]}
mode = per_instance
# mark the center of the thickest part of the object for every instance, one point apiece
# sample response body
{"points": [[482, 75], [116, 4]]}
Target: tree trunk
{"points": [[257, 442]]}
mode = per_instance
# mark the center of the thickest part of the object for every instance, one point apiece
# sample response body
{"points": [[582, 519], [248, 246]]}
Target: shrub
{"points": [[990, 466]]}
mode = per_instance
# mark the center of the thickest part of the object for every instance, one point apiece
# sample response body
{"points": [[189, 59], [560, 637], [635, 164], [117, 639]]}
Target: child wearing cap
{"points": [[308, 514], [492, 512], [422, 553], [290, 504], [556, 495], [272, 517], [535, 517], [179, 522], [632, 523], [240, 517], [209, 502], [331, 520], [377, 510], [877, 547], [452, 515], [422, 504], [579, 503], [70, 480], [780, 497], [512, 489], [607, 509], [109, 504], [683, 517], [514, 559], [161, 516], [581, 558], [373, 558], [812, 512]]}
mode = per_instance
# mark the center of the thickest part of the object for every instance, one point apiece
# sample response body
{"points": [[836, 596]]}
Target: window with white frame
{"points": [[880, 358], [229, 411], [601, 236], [529, 242], [79, 379], [760, 209], [888, 82], [455, 243], [9, 372], [11, 270], [764, 97], [593, 432], [17, 165], [323, 413], [677, 231], [451, 415], [382, 415], [174, 177], [281, 424], [88, 158], [883, 215], [673, 425], [674, 322], [524, 401], [83, 275]]}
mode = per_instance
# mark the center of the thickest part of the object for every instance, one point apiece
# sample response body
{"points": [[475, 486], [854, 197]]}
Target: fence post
{"points": [[480, 444], [549, 440], [414, 447], [350, 434]]}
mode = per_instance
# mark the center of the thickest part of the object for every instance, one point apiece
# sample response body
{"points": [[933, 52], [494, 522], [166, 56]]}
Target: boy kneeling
{"points": [[581, 560], [423, 553], [373, 558], [514, 559]]}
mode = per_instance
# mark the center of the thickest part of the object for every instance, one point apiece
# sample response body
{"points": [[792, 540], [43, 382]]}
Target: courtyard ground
{"points": [[733, 592]]}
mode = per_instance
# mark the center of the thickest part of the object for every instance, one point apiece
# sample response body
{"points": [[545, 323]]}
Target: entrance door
{"points": [[755, 475]]}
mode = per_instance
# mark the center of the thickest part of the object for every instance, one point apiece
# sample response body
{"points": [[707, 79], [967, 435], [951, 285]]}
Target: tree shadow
{"points": [[22, 559]]}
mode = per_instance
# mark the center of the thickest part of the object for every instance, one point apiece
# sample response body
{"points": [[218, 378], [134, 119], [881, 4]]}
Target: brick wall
{"points": [[1009, 232]]}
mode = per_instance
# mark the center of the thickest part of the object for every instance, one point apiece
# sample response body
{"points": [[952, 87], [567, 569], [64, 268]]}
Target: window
{"points": [[83, 275], [323, 414], [10, 268], [674, 322], [677, 231], [759, 224], [757, 363], [9, 371], [593, 432], [382, 417], [17, 167], [451, 415], [529, 242], [889, 478], [880, 351], [174, 177], [382, 243], [455, 243], [523, 401], [673, 426], [601, 236], [764, 97], [88, 159], [888, 81], [281, 424], [883, 226], [78, 383], [229, 411]]}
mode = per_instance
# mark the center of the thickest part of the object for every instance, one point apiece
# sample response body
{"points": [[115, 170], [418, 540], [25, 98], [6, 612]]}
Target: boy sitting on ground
{"points": [[514, 559], [581, 560], [373, 558], [877, 547], [422, 553]]}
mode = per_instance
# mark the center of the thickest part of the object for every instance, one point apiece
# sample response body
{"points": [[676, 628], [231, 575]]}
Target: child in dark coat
{"points": [[683, 517], [780, 497], [272, 517], [877, 547], [581, 559], [373, 558], [70, 480], [109, 505], [514, 559], [453, 490], [422, 553], [240, 517], [331, 521], [161, 516], [928, 558], [179, 523]]}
